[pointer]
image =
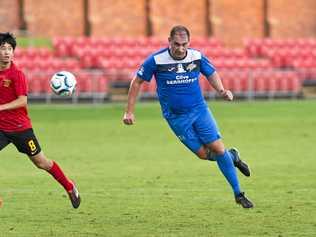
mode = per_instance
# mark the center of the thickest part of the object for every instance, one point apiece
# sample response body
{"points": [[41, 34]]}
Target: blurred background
{"points": [[263, 49]]}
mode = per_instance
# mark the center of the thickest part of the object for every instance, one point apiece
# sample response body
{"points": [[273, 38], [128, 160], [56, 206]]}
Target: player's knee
{"points": [[202, 157], [41, 162], [202, 153], [219, 151], [217, 147]]}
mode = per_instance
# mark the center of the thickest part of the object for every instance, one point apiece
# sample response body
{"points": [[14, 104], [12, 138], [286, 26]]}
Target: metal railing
{"points": [[98, 86]]}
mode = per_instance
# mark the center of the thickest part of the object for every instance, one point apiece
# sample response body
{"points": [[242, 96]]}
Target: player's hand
{"points": [[128, 118], [227, 95]]}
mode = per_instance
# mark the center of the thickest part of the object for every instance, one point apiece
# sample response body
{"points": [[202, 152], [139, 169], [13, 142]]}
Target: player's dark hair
{"points": [[9, 38], [178, 29]]}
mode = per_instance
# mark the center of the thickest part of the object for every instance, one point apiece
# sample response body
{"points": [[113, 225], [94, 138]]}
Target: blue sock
{"points": [[227, 167], [211, 156], [231, 156]]}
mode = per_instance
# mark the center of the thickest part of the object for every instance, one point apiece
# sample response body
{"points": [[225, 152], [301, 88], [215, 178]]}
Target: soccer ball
{"points": [[63, 83]]}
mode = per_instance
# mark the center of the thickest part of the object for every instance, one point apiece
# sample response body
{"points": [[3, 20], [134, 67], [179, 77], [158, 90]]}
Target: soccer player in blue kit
{"points": [[177, 70]]}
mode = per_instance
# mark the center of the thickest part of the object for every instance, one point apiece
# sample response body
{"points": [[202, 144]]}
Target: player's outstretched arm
{"points": [[217, 84], [134, 88], [21, 101]]}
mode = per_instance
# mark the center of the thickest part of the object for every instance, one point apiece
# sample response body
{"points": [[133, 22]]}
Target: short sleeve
{"points": [[207, 68], [147, 70], [20, 84]]}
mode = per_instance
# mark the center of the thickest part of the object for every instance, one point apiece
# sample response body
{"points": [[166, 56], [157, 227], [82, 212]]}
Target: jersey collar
{"points": [[186, 54]]}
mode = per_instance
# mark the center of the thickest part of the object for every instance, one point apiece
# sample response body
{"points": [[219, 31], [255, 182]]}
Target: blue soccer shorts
{"points": [[195, 128]]}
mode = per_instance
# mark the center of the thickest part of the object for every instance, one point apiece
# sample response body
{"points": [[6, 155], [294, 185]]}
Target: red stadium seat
{"points": [[240, 84], [84, 83], [103, 85], [294, 84], [271, 84], [260, 84], [34, 85]]}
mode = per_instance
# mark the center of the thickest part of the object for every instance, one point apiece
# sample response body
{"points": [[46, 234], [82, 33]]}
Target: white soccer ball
{"points": [[63, 83]]}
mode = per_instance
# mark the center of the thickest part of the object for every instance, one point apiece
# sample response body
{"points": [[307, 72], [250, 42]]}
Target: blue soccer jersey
{"points": [[178, 86]]}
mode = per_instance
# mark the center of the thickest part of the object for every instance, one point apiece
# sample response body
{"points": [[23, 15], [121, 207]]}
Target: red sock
{"points": [[59, 175]]}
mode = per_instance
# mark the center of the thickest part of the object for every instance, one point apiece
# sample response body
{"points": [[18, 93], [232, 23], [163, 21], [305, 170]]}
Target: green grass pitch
{"points": [[140, 181]]}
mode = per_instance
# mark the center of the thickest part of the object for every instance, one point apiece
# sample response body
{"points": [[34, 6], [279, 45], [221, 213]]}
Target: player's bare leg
{"points": [[41, 162], [209, 151]]}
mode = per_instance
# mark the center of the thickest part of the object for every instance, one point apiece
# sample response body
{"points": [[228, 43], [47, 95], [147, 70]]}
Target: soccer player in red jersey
{"points": [[15, 124]]}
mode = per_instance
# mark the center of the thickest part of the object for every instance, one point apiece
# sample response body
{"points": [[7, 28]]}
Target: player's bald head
{"points": [[179, 30]]}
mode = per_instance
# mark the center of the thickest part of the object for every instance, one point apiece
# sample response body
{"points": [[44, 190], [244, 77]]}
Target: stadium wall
{"points": [[235, 20], [117, 18], [54, 18], [9, 15], [228, 20], [166, 13], [292, 18]]}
